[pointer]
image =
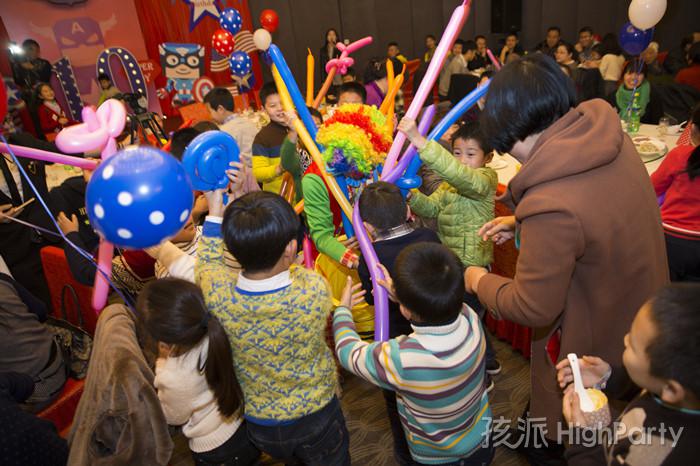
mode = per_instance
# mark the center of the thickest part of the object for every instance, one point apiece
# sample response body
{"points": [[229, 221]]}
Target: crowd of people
{"points": [[224, 332]]}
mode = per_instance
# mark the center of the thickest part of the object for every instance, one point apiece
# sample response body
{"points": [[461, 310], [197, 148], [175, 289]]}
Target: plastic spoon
{"points": [[586, 403]]}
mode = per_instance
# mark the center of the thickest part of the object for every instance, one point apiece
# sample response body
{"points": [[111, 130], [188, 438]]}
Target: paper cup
{"points": [[600, 416]]}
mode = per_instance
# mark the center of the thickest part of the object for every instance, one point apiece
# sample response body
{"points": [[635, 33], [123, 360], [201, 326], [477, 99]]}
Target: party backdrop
{"points": [[79, 33]]}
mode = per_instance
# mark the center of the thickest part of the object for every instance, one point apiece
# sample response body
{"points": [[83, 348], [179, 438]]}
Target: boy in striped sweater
{"points": [[438, 370]]}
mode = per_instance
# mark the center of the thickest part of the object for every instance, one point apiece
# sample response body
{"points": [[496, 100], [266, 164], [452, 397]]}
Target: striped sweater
{"points": [[438, 375], [280, 356]]}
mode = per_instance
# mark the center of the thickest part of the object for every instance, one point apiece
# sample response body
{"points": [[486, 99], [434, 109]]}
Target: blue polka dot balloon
{"points": [[139, 197], [231, 20], [240, 63]]}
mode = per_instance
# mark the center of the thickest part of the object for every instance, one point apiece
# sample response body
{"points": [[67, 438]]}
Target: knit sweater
{"points": [[462, 204], [186, 398], [266, 156], [680, 211], [438, 375], [276, 330]]}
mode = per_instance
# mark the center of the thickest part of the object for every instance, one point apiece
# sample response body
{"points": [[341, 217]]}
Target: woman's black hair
{"points": [[173, 312], [376, 68], [569, 49], [692, 167], [37, 91], [325, 36], [674, 353], [525, 98], [610, 45]]}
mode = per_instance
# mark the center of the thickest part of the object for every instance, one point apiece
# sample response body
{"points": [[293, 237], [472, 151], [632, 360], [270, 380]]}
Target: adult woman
{"points": [[611, 62], [635, 86], [376, 81], [566, 55], [586, 264], [678, 180], [328, 52]]}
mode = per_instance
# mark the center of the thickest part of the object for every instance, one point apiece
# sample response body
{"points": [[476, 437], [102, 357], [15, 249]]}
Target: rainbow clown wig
{"points": [[355, 139]]}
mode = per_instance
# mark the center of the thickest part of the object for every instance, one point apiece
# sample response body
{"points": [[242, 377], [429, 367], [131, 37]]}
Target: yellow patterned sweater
{"points": [[281, 359]]}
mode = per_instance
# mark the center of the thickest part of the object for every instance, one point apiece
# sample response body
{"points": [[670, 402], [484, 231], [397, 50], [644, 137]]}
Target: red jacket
{"points": [[48, 119], [680, 211], [690, 76]]}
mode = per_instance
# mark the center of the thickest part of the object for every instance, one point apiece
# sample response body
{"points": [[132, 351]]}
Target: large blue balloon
{"points": [[207, 158], [240, 63], [634, 41], [230, 19], [139, 197]]}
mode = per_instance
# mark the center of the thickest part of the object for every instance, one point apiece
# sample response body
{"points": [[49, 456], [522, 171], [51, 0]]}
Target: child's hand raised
{"points": [[408, 127], [215, 199], [352, 294], [236, 175], [593, 370]]}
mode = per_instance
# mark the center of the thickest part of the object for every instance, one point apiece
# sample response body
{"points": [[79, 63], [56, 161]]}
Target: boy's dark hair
{"points": [[104, 77], [266, 91], [315, 113], [382, 205], [587, 29], [472, 130], [257, 228], [480, 36], [28, 42], [205, 125], [554, 28], [355, 88], [460, 42], [525, 98], [512, 34], [180, 140], [569, 49], [430, 36], [173, 311], [633, 67], [599, 49], [428, 281], [390, 44], [468, 45], [486, 74], [675, 353], [220, 96]]}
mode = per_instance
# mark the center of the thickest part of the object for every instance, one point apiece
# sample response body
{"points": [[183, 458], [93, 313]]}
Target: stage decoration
{"points": [[150, 69], [230, 19], [269, 20], [262, 39], [201, 8], [182, 65], [137, 81], [69, 87], [222, 42], [201, 88]]}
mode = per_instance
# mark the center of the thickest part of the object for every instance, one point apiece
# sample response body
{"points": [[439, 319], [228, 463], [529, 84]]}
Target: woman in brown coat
{"points": [[591, 243]]}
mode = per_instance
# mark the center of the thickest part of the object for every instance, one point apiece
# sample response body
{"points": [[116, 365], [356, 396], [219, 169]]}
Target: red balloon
{"points": [[222, 42], [269, 20]]}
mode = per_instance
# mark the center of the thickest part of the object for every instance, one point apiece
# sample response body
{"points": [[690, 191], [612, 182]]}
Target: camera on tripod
{"points": [[138, 103]]}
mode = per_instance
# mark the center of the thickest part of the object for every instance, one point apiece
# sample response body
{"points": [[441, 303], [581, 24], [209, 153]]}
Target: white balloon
{"points": [[262, 39], [645, 14]]}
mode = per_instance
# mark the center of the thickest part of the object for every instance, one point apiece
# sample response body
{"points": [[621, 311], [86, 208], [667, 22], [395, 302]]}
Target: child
{"points": [[463, 203], [438, 370], [662, 425], [107, 89], [458, 65], [52, 118], [267, 143], [635, 89], [293, 156], [352, 93], [195, 380], [384, 212], [393, 51], [274, 314]]}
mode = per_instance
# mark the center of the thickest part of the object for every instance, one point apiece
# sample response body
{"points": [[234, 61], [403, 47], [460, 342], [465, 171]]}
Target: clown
{"points": [[182, 65], [355, 141]]}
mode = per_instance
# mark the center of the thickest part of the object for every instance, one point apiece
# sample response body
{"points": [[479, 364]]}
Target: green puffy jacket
{"points": [[462, 204]]}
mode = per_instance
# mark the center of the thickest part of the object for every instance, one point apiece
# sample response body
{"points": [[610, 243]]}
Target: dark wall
{"points": [[304, 22]]}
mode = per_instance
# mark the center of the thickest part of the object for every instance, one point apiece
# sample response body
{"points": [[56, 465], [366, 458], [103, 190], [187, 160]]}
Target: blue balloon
{"points": [[634, 41], [139, 197], [230, 19], [240, 63], [207, 158]]}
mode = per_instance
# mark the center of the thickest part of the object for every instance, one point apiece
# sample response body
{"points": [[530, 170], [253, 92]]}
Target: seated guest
{"points": [[611, 62], [661, 356], [376, 83], [26, 439], [393, 51], [511, 46], [636, 88], [27, 345], [52, 118], [549, 45], [267, 143], [678, 180], [585, 43], [481, 60], [655, 72], [107, 88], [677, 58], [458, 65], [430, 45], [566, 56], [691, 75], [437, 371]]}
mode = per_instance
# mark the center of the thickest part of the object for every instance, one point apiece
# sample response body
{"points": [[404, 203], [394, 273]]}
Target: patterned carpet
{"points": [[370, 435]]}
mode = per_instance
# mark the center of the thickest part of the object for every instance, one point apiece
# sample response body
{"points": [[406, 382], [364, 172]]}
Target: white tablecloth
{"points": [[506, 166]]}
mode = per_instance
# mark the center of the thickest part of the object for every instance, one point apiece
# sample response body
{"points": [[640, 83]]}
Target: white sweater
{"points": [[187, 399], [611, 67]]}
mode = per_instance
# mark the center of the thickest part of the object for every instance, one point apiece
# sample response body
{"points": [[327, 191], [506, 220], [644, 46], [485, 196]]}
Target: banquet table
{"points": [[506, 255]]}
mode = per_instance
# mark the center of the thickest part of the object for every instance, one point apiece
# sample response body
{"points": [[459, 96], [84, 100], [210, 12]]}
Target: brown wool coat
{"points": [[119, 420], [592, 249]]}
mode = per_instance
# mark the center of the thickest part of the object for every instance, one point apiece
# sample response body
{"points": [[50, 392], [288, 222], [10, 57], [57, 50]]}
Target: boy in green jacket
{"points": [[462, 203]]}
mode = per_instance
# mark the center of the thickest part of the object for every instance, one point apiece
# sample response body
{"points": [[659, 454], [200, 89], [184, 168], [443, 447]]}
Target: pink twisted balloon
{"points": [[99, 131], [343, 62]]}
